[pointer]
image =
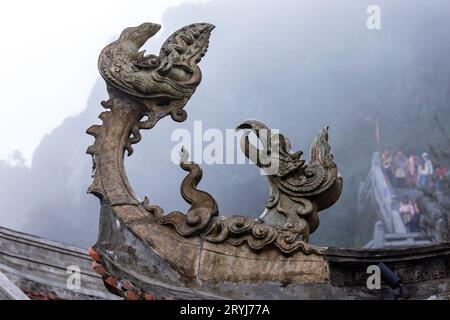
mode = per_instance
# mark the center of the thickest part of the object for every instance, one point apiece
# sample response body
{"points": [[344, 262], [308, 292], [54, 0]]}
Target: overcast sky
{"points": [[48, 46]]}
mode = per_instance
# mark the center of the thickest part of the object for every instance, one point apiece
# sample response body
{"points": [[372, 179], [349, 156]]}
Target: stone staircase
{"points": [[376, 195]]}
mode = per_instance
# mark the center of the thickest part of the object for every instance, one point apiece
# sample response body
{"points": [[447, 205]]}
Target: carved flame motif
{"points": [[203, 208]]}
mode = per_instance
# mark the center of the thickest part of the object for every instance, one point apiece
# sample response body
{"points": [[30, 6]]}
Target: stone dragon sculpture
{"points": [[146, 88], [141, 87], [298, 190]]}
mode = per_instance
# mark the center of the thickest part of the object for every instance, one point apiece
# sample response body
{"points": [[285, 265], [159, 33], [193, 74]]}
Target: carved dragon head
{"points": [[164, 82], [297, 188]]}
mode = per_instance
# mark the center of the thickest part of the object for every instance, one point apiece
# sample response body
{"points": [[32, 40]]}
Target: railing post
{"points": [[378, 235], [440, 226]]}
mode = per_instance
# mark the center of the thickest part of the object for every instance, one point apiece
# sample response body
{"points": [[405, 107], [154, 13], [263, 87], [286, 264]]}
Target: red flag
{"points": [[377, 133]]}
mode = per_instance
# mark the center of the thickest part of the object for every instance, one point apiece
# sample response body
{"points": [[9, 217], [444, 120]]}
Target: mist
{"points": [[298, 66]]}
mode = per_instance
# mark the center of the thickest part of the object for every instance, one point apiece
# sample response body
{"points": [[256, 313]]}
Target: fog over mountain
{"points": [[296, 65]]}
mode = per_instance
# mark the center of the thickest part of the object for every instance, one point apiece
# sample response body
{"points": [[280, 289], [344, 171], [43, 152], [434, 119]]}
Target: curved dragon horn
{"points": [[260, 157], [263, 132]]}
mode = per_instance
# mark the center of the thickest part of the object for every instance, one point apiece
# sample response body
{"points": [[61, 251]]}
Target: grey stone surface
{"points": [[39, 266], [9, 291], [424, 269]]}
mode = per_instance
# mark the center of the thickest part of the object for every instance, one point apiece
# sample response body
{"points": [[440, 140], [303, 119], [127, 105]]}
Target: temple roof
{"points": [[38, 268]]}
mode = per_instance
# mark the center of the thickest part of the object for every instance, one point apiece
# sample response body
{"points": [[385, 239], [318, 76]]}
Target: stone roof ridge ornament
{"points": [[143, 89], [146, 88]]}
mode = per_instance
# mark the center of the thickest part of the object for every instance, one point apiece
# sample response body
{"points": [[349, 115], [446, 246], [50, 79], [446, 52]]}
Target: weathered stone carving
{"points": [[145, 88], [298, 190], [141, 253], [203, 206], [166, 81]]}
